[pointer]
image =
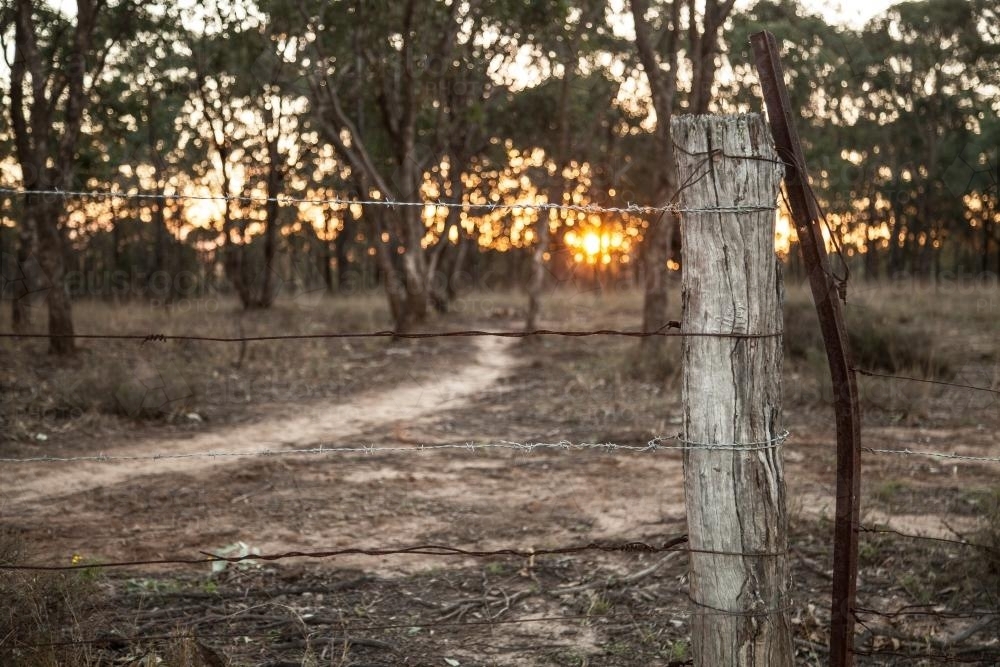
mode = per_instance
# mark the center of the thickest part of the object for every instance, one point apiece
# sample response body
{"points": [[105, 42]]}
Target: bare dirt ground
{"points": [[588, 608]]}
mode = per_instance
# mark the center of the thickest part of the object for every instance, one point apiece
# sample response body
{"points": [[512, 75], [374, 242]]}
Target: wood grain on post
{"points": [[735, 497]]}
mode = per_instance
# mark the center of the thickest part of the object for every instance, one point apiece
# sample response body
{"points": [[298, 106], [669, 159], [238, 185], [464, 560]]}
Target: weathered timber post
{"points": [[733, 480]]}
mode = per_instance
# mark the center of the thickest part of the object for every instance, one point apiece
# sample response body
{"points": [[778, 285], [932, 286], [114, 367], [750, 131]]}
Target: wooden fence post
{"points": [[735, 492]]}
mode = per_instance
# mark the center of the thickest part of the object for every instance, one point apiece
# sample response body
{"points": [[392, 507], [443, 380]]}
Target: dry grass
{"points": [[112, 385], [43, 613]]}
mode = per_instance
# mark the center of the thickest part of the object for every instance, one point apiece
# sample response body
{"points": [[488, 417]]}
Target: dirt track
{"points": [[177, 507], [308, 427]]}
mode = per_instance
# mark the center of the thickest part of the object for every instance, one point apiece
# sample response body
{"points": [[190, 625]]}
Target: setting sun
{"points": [[591, 243]]}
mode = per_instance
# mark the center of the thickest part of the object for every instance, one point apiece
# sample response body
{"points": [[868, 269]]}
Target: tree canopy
{"points": [[291, 111]]}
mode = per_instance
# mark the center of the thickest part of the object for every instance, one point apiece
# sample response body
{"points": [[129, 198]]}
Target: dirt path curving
{"points": [[312, 425]]}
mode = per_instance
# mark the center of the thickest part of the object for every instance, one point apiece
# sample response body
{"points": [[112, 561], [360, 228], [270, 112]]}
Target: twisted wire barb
{"points": [[371, 450], [629, 208]]}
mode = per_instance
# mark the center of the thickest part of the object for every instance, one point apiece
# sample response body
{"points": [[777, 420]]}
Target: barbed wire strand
{"points": [[922, 610], [158, 337], [445, 551], [628, 208], [929, 538], [868, 373], [371, 450], [939, 658], [936, 455]]}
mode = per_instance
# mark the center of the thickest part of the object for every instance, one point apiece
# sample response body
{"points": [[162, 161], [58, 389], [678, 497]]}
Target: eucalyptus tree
{"points": [[214, 117], [59, 65], [566, 114], [273, 97], [145, 102], [930, 99], [402, 91], [829, 114], [663, 30], [243, 118], [897, 134]]}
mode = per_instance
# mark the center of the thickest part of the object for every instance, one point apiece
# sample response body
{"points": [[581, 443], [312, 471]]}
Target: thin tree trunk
{"points": [[657, 250], [26, 247], [458, 266], [158, 204], [735, 494], [326, 256], [268, 292], [659, 233], [871, 250], [50, 256], [341, 244]]}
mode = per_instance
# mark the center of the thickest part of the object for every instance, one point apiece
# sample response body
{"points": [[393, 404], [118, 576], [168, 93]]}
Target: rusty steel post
{"points": [[831, 319]]}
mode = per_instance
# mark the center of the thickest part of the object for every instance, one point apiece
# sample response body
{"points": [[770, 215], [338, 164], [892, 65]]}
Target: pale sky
{"points": [[851, 12]]}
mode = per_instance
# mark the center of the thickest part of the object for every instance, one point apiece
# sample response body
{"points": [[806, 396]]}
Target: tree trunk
{"points": [[537, 281], [340, 244], [417, 294], [50, 256], [735, 493], [458, 266], [20, 305], [655, 299], [663, 83], [326, 256], [268, 291], [158, 203]]}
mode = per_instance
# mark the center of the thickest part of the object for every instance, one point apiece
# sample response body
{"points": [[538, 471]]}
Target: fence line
{"points": [[525, 447], [945, 540], [629, 208], [936, 455], [922, 610], [862, 371], [633, 547], [669, 330], [653, 445]]}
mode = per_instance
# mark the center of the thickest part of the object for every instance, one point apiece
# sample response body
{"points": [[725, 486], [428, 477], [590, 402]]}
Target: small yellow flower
{"points": [[76, 559]]}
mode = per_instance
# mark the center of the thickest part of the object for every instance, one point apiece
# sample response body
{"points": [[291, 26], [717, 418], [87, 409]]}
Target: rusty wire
{"points": [[672, 544], [159, 337]]}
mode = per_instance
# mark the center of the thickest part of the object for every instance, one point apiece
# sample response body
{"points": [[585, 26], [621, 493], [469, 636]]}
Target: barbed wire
{"points": [[663, 331], [939, 658], [627, 209], [868, 373], [924, 610], [672, 544], [936, 455], [930, 538], [525, 447]]}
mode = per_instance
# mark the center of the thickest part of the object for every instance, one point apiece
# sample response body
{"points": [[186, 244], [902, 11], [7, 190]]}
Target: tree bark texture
{"points": [[735, 496]]}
